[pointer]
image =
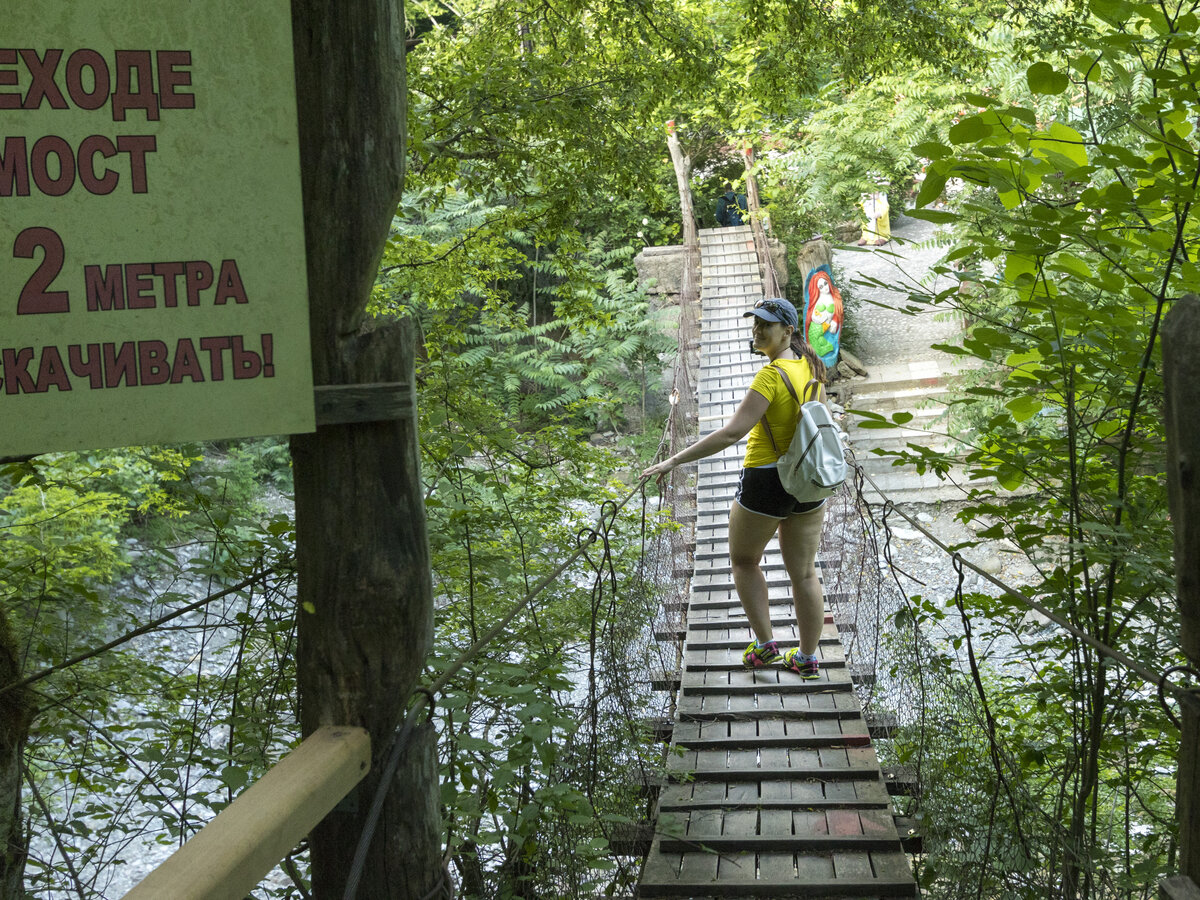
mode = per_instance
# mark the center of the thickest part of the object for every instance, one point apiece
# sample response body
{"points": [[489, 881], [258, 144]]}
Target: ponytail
{"points": [[802, 350]]}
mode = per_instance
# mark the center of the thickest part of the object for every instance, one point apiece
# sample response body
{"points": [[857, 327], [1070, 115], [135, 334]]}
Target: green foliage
{"points": [[853, 138], [581, 350], [1077, 227], [535, 749], [96, 544]]}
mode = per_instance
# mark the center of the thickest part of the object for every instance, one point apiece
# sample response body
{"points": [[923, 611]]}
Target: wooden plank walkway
{"points": [[774, 789]]}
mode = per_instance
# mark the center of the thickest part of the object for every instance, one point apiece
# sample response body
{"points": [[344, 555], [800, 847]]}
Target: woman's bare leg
{"points": [[748, 536], [799, 537]]}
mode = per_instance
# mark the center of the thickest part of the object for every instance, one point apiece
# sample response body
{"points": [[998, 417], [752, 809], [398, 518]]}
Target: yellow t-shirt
{"points": [[781, 414]]}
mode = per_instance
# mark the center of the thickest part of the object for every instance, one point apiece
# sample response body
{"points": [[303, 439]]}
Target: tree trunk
{"points": [[1181, 378], [689, 289], [366, 611], [15, 716]]}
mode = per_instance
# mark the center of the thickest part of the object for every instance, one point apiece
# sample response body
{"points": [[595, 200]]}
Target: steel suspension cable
{"points": [[608, 514]]}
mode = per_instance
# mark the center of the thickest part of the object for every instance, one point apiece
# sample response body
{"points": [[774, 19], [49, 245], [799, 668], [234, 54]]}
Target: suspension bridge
{"points": [[773, 787]]}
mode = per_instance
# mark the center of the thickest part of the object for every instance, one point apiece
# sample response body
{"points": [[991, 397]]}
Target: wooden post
{"points": [[365, 591], [228, 858], [16, 714], [1181, 380], [769, 281], [689, 290]]}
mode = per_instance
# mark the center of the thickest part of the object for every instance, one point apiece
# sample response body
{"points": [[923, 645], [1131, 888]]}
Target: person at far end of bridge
{"points": [[761, 507], [731, 208]]}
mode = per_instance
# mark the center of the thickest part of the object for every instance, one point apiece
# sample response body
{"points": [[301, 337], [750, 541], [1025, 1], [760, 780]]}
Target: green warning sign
{"points": [[152, 274]]}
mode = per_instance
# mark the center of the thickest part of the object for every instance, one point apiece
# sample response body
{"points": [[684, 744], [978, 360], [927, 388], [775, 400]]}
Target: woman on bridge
{"points": [[761, 507]]}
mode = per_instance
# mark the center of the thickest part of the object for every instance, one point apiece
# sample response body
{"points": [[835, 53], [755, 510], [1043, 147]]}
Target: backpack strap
{"points": [[767, 428], [787, 383]]}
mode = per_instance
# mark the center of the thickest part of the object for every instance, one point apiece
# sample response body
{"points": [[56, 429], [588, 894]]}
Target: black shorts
{"points": [[760, 491]]}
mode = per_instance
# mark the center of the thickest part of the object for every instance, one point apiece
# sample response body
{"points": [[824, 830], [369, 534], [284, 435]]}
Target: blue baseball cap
{"points": [[775, 309]]}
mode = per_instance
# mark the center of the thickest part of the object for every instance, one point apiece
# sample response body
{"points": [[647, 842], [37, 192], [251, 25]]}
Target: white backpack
{"points": [[814, 465]]}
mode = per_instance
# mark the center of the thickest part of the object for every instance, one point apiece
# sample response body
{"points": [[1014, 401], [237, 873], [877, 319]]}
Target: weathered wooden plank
{"points": [[731, 622], [764, 688], [901, 781], [742, 730], [830, 656], [854, 866], [892, 866], [740, 823], [697, 868], [775, 822], [911, 840], [777, 867], [829, 707], [779, 757], [773, 741], [661, 868], [742, 792], [683, 767], [784, 805], [707, 794], [701, 823]]}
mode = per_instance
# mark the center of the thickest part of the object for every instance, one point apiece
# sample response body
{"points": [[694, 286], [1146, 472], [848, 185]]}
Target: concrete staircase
{"points": [[921, 388]]}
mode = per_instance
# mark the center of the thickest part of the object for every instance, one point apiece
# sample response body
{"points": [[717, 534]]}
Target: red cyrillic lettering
{"points": [[8, 78], [187, 365], [16, 373], [14, 169], [42, 69], [214, 346], [36, 298], [268, 353], [124, 95], [199, 276], [153, 364], [137, 283], [98, 95], [52, 187], [246, 363], [169, 79], [97, 143], [169, 271], [91, 366], [137, 146], [120, 364], [229, 284], [104, 293], [52, 372]]}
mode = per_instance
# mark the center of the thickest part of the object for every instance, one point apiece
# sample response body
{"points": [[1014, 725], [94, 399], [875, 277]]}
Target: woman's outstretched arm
{"points": [[749, 411]]}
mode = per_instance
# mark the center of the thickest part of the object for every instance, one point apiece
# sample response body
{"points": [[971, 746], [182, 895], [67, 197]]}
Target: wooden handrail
{"points": [[227, 858], [770, 281]]}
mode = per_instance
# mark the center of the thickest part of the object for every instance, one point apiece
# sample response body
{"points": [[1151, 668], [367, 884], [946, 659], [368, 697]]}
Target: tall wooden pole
{"points": [[1181, 377], [690, 288], [16, 714], [770, 281], [366, 610]]}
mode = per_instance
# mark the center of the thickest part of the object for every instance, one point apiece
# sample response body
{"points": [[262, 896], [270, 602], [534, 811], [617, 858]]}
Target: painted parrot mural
{"points": [[823, 314]]}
